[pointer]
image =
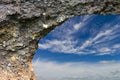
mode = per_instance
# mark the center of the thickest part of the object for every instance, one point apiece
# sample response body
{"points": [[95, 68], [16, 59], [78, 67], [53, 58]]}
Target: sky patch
{"points": [[82, 48]]}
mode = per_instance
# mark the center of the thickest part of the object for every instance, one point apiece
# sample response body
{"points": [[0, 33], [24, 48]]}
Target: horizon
{"points": [[81, 41]]}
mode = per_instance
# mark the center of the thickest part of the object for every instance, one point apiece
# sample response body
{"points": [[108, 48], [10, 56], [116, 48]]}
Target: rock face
{"points": [[24, 22]]}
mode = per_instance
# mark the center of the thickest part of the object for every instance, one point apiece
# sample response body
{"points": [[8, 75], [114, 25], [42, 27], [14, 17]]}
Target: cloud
{"points": [[107, 62], [82, 23], [63, 45], [104, 50], [116, 46], [65, 38], [104, 70], [105, 35], [66, 43], [104, 42]]}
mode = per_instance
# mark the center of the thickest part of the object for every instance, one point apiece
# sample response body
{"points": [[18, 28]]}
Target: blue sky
{"points": [[80, 42]]}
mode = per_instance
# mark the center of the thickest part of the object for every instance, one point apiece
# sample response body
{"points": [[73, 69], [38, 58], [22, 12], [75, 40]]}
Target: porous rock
{"points": [[24, 22]]}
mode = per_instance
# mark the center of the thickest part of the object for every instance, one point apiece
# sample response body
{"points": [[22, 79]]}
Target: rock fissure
{"points": [[24, 22]]}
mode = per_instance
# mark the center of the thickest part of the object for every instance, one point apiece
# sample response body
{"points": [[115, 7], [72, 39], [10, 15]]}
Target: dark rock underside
{"points": [[24, 22]]}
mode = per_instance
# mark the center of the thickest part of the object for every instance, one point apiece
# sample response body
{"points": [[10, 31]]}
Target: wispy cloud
{"points": [[65, 42], [105, 35], [65, 46], [77, 71], [83, 22], [116, 46]]}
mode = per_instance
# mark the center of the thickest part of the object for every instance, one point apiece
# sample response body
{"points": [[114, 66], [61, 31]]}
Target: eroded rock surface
{"points": [[24, 22]]}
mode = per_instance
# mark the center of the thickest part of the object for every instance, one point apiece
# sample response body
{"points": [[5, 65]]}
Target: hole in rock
{"points": [[82, 48]]}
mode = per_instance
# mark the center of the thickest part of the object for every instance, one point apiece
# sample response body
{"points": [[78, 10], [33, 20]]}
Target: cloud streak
{"points": [[65, 40], [83, 37]]}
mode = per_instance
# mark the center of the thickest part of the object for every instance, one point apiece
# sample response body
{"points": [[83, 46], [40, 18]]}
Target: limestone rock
{"points": [[24, 22]]}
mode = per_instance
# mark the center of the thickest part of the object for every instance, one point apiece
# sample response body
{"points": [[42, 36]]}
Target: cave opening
{"points": [[83, 47]]}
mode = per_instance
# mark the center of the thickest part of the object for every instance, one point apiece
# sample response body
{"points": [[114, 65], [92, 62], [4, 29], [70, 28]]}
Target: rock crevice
{"points": [[24, 22]]}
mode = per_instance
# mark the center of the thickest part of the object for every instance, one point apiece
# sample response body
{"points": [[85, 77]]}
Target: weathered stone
{"points": [[24, 22]]}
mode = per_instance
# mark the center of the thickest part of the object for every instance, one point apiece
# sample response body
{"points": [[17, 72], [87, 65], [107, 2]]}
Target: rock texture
{"points": [[24, 22]]}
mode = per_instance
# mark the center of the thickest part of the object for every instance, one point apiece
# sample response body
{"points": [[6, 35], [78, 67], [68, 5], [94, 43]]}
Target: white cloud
{"points": [[107, 62], [68, 45], [87, 43], [77, 26], [104, 70], [104, 50], [44, 46], [116, 46], [66, 42], [65, 46], [102, 34], [82, 23], [97, 39], [109, 34]]}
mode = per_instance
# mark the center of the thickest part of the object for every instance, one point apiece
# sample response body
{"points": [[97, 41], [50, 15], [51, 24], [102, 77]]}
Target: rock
{"points": [[24, 22]]}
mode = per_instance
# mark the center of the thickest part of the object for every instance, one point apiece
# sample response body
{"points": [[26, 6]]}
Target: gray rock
{"points": [[24, 22]]}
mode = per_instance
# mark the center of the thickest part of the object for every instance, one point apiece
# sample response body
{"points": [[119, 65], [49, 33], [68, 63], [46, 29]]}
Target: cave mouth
{"points": [[83, 47]]}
